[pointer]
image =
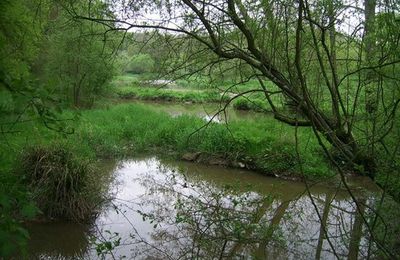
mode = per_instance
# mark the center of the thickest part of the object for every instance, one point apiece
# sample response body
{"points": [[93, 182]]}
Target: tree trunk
{"points": [[370, 49], [323, 228], [279, 213], [356, 231]]}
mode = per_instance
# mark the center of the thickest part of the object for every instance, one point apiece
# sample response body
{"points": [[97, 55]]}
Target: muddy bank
{"points": [[253, 164]]}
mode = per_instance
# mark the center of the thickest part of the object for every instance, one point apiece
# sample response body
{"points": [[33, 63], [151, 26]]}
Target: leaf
{"points": [[29, 210]]}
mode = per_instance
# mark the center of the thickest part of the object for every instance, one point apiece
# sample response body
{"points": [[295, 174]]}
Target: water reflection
{"points": [[194, 211], [171, 210], [58, 240]]}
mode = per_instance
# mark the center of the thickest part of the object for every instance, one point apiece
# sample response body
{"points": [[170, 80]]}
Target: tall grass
{"points": [[151, 93], [63, 185], [128, 129]]}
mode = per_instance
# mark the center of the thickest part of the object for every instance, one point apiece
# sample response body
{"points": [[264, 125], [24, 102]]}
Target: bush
{"points": [[151, 93], [15, 208], [258, 105], [241, 104], [62, 185]]}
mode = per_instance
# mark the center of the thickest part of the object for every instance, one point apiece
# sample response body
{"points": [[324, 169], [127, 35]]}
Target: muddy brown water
{"points": [[162, 209]]}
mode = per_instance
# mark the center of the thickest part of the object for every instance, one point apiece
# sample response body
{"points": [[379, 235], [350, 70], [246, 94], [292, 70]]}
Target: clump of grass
{"points": [[62, 185], [278, 158]]}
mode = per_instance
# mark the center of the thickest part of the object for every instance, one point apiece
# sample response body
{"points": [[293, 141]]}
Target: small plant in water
{"points": [[105, 246]]}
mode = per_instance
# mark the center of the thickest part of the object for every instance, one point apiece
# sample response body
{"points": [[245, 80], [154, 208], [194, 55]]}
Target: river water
{"points": [[162, 209], [213, 112]]}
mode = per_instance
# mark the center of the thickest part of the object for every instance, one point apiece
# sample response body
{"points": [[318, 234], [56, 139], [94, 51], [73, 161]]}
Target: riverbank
{"points": [[126, 130], [141, 88], [264, 145], [129, 129]]}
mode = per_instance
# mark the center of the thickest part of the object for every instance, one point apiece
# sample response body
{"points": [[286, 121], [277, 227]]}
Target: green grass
{"points": [[253, 104], [127, 130], [151, 93], [195, 90]]}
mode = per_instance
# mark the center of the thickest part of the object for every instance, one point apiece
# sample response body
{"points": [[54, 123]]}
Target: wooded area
{"points": [[324, 72]]}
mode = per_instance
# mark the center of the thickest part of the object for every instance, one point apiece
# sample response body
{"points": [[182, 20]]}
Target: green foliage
{"points": [[139, 64], [21, 24], [195, 82], [15, 207], [151, 93], [48, 59], [77, 64], [18, 42], [126, 79], [129, 129], [279, 157], [389, 179], [243, 103], [386, 227], [106, 245]]}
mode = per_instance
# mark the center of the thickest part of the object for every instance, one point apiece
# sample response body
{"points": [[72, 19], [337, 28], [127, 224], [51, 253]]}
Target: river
{"points": [[205, 111], [163, 209]]}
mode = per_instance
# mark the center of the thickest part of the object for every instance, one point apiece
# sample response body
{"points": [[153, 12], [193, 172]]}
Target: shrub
{"points": [[258, 105], [62, 186], [241, 104]]}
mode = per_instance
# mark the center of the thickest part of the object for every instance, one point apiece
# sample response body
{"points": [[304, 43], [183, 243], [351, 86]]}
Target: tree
{"points": [[293, 44], [316, 64], [18, 50], [28, 92], [77, 60]]}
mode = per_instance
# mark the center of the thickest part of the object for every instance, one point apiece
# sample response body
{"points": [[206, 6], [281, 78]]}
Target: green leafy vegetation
{"points": [[332, 97], [161, 94], [128, 129]]}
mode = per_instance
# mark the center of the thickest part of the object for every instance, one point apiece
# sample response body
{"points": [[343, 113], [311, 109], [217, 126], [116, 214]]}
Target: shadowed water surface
{"points": [[176, 210]]}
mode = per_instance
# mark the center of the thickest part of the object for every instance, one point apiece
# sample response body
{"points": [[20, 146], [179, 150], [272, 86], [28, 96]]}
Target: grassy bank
{"points": [[126, 130], [203, 90], [162, 94], [130, 86], [129, 129]]}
